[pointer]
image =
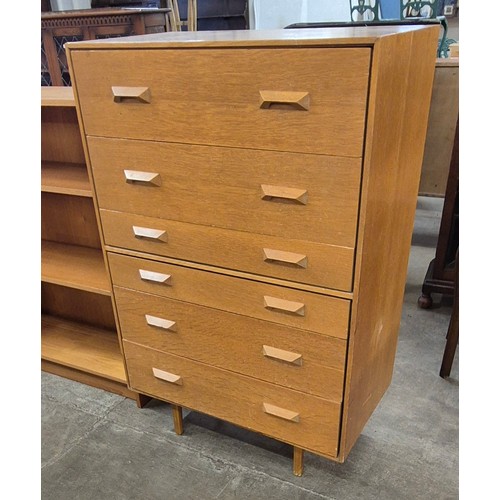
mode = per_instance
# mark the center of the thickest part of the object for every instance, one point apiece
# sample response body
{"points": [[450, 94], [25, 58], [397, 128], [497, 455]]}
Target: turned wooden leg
{"points": [[177, 415], [298, 461], [425, 301], [141, 400]]}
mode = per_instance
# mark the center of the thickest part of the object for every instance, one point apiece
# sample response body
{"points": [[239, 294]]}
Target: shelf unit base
{"points": [[92, 380]]}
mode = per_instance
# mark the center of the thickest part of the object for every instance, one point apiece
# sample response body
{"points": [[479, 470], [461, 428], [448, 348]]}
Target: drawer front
{"points": [[286, 306], [295, 260], [294, 417], [289, 195], [310, 100], [285, 356]]}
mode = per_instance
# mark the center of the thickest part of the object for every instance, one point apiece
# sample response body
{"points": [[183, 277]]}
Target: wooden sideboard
{"points": [[59, 28], [256, 205]]}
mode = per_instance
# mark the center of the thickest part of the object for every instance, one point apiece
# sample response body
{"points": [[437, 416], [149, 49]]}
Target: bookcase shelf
{"points": [[79, 339]]}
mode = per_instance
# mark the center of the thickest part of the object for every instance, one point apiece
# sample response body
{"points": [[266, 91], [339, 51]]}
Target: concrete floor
{"points": [[100, 446]]}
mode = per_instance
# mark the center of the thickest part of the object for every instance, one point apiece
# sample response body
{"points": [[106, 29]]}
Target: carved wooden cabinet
{"points": [[58, 28], [256, 195]]}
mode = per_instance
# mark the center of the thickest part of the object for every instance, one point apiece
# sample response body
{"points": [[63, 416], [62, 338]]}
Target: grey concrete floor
{"points": [[100, 446]]}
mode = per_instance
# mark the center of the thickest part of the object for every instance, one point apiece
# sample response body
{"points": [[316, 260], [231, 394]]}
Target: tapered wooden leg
{"points": [[177, 415], [298, 461]]}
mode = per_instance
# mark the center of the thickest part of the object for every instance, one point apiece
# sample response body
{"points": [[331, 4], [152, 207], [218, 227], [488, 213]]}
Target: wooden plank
{"points": [[330, 37], [60, 135], [441, 129], [93, 380], [65, 178], [82, 347], [78, 305], [403, 69], [58, 96], [69, 219], [74, 266]]}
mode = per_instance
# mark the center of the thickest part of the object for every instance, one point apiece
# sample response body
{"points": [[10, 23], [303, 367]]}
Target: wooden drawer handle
{"points": [[292, 416], [166, 324], [146, 275], [139, 94], [288, 357], [296, 100], [283, 305], [167, 376], [271, 193], [136, 176], [295, 259], [149, 234]]}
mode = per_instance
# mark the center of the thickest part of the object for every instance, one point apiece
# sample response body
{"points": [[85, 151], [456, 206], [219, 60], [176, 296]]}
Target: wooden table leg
{"points": [[177, 415], [298, 461]]}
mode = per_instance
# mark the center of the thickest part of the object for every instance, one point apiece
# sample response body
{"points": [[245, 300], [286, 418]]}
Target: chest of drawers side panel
{"points": [[401, 84]]}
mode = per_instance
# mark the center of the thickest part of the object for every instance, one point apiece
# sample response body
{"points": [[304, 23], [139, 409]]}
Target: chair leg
{"points": [[452, 334], [451, 346]]}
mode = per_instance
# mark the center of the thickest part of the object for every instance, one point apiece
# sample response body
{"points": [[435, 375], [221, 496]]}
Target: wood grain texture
{"points": [[403, 69], [322, 314], [234, 274], [60, 135], [223, 187], [82, 377], [57, 96], [314, 37], [69, 219], [236, 398], [75, 267], [443, 117], [82, 347], [224, 90], [234, 342], [65, 178], [327, 265], [77, 305]]}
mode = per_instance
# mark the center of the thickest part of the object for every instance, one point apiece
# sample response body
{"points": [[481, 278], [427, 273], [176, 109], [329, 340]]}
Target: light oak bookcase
{"points": [[78, 329]]}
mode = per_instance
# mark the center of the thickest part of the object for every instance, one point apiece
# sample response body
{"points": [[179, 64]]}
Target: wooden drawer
{"points": [[290, 195], [285, 356], [294, 417], [286, 306], [229, 97], [294, 260]]}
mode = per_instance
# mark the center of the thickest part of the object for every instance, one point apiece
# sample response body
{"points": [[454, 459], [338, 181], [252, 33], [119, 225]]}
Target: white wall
{"points": [[268, 14]]}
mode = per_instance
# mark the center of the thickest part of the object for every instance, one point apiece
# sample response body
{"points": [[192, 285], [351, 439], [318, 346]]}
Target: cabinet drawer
{"points": [[290, 195], [305, 100], [294, 260], [286, 306], [285, 356], [294, 417]]}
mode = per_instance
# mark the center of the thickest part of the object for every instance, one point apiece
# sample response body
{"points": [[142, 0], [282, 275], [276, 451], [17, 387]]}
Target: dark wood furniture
{"points": [[89, 24], [440, 276], [452, 334]]}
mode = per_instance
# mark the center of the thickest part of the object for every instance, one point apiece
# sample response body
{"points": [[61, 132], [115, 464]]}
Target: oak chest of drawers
{"points": [[256, 194]]}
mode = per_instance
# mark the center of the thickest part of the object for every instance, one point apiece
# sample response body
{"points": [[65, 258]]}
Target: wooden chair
{"points": [[452, 335], [175, 20]]}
